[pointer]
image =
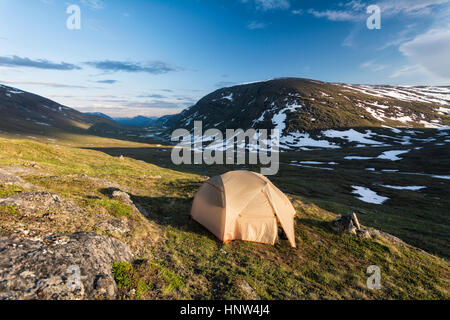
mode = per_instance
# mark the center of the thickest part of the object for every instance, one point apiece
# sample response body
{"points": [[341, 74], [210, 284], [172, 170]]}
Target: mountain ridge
{"points": [[25, 112], [303, 110]]}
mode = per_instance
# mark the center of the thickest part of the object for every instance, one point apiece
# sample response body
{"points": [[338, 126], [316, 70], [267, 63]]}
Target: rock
{"points": [[387, 236], [123, 196], [40, 201], [7, 178], [248, 291], [363, 234], [74, 266], [349, 223], [115, 225], [32, 165], [346, 223]]}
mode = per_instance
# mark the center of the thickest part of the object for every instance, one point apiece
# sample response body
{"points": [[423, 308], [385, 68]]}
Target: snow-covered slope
{"points": [[311, 113]]}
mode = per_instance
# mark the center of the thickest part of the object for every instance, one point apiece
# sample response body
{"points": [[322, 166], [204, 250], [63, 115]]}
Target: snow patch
{"points": [[367, 195]]}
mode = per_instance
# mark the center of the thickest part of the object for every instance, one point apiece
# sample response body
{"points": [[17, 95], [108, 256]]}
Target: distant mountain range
{"points": [[139, 121]]}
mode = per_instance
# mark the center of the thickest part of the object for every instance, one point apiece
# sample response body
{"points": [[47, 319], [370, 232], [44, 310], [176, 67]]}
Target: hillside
{"points": [[311, 113], [26, 113], [120, 209], [174, 257]]}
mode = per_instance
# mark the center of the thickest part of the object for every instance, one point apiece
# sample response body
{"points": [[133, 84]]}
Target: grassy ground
{"points": [[421, 218], [178, 258]]}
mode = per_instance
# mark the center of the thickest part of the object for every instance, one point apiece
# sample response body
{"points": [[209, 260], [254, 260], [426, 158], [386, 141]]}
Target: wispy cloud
{"points": [[153, 104], [155, 67], [16, 61], [406, 70], [157, 96], [47, 84], [337, 15], [430, 50], [253, 25], [297, 12], [412, 7], [355, 10], [106, 81], [270, 4], [372, 65], [94, 4]]}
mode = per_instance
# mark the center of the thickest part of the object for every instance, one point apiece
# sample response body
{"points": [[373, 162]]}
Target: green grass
{"points": [[142, 279], [7, 191], [114, 207]]}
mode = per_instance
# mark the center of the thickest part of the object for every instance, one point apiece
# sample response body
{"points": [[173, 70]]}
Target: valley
{"points": [[389, 165]]}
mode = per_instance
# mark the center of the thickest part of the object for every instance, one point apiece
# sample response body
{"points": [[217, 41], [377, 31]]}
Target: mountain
{"points": [[139, 121], [99, 114], [312, 113], [24, 112]]}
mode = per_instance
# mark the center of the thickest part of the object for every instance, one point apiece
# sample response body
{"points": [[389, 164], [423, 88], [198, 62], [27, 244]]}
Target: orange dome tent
{"points": [[243, 205]]}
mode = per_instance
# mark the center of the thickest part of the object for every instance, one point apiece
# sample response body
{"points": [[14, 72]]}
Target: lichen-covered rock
{"points": [[74, 266], [7, 178], [114, 225], [40, 201]]}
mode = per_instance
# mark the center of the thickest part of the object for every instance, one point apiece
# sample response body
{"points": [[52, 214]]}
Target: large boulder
{"points": [[60, 267]]}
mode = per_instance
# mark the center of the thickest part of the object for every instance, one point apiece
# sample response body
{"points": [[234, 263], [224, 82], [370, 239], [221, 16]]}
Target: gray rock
{"points": [[40, 201], [74, 266], [7, 178], [118, 226], [346, 223], [349, 223], [247, 290], [363, 234], [122, 196]]}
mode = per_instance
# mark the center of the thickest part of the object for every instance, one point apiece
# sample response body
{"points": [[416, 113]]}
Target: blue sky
{"points": [[154, 57]]}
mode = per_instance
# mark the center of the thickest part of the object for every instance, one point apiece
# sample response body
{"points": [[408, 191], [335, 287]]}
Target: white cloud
{"points": [[256, 25], [94, 4], [337, 15], [407, 71], [373, 66], [417, 7], [355, 10], [431, 50], [270, 4]]}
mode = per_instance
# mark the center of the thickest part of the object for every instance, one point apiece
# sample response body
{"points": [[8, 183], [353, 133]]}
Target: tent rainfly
{"points": [[243, 205]]}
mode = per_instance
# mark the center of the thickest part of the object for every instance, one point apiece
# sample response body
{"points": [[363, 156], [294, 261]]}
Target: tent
{"points": [[243, 205]]}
